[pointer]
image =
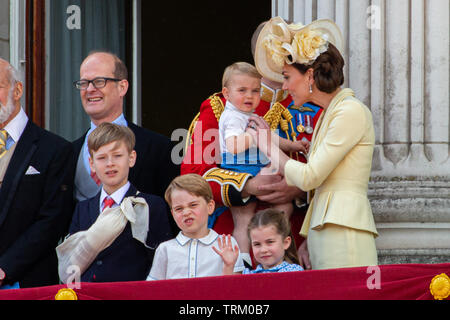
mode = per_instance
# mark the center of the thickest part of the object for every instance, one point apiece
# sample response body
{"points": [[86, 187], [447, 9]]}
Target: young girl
{"points": [[273, 248]]}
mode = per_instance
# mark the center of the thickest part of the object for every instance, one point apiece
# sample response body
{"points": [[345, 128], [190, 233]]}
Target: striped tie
{"points": [[3, 138]]}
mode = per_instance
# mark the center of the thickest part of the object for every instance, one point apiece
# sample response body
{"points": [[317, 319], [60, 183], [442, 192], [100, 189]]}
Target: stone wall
{"points": [[4, 29], [397, 58]]}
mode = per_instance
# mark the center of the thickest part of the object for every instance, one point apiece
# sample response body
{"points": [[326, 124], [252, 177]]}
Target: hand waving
{"points": [[228, 254]]}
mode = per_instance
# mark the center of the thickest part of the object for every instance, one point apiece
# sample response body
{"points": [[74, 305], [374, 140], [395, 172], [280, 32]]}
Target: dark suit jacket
{"points": [[154, 169], [126, 259], [35, 210]]}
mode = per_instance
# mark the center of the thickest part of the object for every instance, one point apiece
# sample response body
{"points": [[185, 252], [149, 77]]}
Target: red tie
{"points": [[107, 203], [95, 178]]}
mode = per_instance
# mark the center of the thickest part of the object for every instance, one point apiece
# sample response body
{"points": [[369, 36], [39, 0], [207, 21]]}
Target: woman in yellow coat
{"points": [[339, 225]]}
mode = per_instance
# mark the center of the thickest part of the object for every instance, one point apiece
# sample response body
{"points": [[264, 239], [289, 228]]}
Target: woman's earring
{"points": [[310, 88]]}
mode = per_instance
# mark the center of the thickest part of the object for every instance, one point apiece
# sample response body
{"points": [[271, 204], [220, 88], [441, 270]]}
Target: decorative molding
{"points": [[397, 63], [396, 256], [410, 200]]}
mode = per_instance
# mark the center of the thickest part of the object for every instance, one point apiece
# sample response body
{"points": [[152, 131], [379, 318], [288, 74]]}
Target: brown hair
{"points": [[273, 217], [106, 133], [328, 70], [120, 69], [239, 68], [192, 183]]}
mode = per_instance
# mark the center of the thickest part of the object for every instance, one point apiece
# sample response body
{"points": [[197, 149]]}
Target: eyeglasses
{"points": [[98, 83]]}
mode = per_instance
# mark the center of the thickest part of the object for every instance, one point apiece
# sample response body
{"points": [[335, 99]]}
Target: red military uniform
{"points": [[203, 153]]}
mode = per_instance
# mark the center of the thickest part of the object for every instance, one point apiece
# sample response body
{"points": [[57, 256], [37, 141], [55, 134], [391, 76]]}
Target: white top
{"points": [[233, 122], [117, 196], [184, 257], [15, 128]]}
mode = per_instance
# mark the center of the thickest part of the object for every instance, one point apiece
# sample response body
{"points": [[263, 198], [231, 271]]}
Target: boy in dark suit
{"points": [[113, 235]]}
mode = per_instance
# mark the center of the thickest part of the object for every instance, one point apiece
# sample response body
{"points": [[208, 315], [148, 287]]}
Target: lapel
{"points": [[325, 118], [94, 208], [78, 145], [131, 191], [140, 148], [20, 161]]}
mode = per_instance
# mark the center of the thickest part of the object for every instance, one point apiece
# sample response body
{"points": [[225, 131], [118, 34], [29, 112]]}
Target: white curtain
{"points": [[77, 27]]}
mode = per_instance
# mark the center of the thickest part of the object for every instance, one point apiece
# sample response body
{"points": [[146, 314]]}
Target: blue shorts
{"points": [[251, 161]]}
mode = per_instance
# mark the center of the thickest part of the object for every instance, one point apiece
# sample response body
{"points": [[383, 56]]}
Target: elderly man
{"points": [[35, 191], [103, 87]]}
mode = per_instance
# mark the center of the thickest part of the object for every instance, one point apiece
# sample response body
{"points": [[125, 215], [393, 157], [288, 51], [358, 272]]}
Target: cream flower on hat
{"points": [[280, 43], [275, 50], [280, 33], [308, 45]]}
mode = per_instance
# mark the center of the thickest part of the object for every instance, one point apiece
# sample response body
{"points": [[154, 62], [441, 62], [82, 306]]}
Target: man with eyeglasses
{"points": [[103, 85]]}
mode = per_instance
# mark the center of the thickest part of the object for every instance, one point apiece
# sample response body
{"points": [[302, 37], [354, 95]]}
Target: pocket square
{"points": [[32, 171]]}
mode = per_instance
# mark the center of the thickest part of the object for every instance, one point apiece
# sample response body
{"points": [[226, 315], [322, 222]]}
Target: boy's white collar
{"points": [[231, 106], [118, 195], [207, 240]]}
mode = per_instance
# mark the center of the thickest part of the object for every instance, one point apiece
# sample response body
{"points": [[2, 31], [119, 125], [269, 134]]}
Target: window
{"points": [[75, 28]]}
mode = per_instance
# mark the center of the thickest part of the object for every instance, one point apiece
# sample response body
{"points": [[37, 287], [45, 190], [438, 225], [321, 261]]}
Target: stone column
{"points": [[397, 59]]}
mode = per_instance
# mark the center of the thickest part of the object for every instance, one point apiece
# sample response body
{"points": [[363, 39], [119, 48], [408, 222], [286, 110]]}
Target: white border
{"points": [[137, 64]]}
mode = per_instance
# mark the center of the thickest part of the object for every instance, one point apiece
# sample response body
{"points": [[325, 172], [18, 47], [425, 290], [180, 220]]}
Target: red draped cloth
{"points": [[388, 282]]}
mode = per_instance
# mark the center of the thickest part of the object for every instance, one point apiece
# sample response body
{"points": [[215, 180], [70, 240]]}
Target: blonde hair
{"points": [[193, 184], [273, 217], [239, 68], [107, 133]]}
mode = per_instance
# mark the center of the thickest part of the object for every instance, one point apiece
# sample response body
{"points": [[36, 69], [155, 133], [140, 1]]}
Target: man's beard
{"points": [[7, 110]]}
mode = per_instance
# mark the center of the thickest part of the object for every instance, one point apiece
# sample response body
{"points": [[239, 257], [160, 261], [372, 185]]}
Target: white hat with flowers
{"points": [[280, 43]]}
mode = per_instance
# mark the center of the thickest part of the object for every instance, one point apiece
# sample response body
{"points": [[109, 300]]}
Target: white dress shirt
{"points": [[184, 257], [15, 128], [117, 196]]}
